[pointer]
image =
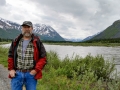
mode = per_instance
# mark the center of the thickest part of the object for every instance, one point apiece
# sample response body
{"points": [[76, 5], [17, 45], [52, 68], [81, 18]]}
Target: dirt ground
{"points": [[4, 80]]}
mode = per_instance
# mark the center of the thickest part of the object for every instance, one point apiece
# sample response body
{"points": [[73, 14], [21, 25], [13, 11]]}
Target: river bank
{"points": [[1, 43], [76, 44], [84, 44]]}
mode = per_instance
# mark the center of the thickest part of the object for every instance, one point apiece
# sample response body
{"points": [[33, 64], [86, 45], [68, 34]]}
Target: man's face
{"points": [[27, 31]]}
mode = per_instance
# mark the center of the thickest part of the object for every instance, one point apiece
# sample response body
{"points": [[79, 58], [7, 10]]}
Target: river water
{"points": [[109, 53]]}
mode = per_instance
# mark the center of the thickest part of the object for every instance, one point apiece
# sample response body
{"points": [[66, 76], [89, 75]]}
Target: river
{"points": [[109, 53]]}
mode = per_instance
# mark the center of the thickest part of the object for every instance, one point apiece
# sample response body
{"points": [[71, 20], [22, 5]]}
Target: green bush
{"points": [[89, 73]]}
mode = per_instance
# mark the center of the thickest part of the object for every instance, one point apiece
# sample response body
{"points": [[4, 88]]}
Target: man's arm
{"points": [[42, 57], [10, 57], [11, 61]]}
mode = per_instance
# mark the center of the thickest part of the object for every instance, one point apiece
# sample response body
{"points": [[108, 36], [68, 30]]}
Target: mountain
{"points": [[10, 30], [47, 32], [73, 40], [113, 31], [90, 37], [87, 38]]}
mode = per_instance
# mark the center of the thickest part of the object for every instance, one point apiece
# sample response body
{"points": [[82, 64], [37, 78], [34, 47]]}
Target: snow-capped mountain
{"points": [[90, 37], [6, 24], [73, 40], [45, 32]]}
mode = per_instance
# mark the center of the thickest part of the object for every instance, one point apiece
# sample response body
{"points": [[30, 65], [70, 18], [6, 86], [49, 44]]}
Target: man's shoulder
{"points": [[36, 37], [17, 37]]}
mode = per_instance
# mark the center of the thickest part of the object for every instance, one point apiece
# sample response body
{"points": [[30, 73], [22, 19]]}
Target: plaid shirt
{"points": [[27, 61]]}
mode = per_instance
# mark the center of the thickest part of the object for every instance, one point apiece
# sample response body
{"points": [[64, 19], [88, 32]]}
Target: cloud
{"points": [[2, 2], [71, 19], [4, 9]]}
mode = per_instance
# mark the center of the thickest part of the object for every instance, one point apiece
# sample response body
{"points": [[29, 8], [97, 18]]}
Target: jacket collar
{"points": [[20, 36]]}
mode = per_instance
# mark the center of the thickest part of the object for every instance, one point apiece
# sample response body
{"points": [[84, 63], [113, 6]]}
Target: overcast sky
{"points": [[70, 18]]}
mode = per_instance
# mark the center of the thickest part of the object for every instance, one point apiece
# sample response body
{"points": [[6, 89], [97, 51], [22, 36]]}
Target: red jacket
{"points": [[39, 55]]}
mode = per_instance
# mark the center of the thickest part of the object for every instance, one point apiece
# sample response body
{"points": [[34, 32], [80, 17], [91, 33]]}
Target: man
{"points": [[26, 59]]}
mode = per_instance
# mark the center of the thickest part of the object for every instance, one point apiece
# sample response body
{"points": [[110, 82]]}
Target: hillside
{"points": [[9, 33], [110, 32]]}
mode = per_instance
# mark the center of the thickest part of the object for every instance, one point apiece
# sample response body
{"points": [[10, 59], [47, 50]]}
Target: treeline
{"points": [[112, 40], [5, 40]]}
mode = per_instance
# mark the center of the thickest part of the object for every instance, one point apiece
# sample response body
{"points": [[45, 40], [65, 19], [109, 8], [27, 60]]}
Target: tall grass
{"points": [[89, 73], [3, 56]]}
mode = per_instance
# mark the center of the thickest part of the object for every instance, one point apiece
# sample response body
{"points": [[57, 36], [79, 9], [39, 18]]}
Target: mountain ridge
{"points": [[45, 32], [111, 32]]}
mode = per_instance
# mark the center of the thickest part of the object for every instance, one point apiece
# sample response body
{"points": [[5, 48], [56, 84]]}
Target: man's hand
{"points": [[12, 73], [33, 72]]}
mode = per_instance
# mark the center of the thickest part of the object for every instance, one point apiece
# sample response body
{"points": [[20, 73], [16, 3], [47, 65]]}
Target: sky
{"points": [[76, 19]]}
